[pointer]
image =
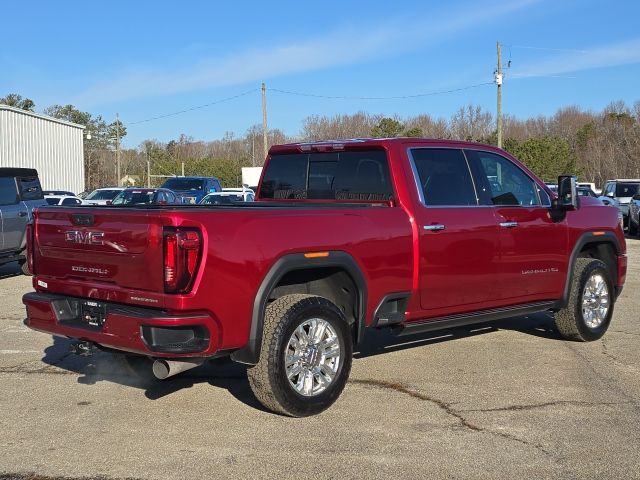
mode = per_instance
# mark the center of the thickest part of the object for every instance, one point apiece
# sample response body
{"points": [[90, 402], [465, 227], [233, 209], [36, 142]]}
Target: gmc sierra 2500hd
{"points": [[409, 234]]}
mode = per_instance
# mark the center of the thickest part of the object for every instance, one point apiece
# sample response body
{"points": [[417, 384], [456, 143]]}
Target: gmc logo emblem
{"points": [[84, 238]]}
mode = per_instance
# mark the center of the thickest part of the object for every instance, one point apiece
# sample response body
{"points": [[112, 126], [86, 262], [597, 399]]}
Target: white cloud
{"points": [[340, 47], [612, 55]]}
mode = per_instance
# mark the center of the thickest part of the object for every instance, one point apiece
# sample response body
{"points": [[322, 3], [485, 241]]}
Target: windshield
{"points": [[221, 199], [52, 201], [133, 197], [627, 189], [182, 184], [103, 194]]}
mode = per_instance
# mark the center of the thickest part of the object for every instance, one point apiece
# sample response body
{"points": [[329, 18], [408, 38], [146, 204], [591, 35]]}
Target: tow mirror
{"points": [[568, 193]]}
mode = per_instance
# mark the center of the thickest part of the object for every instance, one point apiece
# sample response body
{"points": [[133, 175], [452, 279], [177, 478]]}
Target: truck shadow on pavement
{"points": [[225, 374]]}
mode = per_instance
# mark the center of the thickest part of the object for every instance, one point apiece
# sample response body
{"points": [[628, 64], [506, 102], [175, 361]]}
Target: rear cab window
{"points": [[30, 188], [361, 175]]}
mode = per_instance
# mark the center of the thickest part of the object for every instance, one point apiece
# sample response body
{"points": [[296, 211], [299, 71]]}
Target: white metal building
{"points": [[53, 147]]}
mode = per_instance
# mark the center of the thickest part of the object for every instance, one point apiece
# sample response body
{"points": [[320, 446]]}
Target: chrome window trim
{"points": [[416, 178]]}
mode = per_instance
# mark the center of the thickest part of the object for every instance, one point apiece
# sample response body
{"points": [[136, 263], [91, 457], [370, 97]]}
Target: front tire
{"points": [[590, 307], [305, 358]]}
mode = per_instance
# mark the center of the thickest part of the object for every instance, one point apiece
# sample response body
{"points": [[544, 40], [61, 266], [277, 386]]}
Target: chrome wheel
{"points": [[312, 357], [595, 300]]}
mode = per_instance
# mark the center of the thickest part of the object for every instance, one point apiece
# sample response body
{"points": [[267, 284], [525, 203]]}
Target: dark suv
{"points": [[20, 192], [192, 189]]}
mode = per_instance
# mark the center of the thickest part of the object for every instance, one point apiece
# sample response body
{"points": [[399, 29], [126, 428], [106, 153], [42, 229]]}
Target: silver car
{"points": [[634, 215], [20, 193]]}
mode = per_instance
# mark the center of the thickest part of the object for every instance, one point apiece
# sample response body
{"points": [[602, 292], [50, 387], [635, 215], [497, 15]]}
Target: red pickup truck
{"points": [[409, 234]]}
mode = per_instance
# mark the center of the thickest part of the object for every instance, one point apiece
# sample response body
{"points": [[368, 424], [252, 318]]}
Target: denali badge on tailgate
{"points": [[86, 238]]}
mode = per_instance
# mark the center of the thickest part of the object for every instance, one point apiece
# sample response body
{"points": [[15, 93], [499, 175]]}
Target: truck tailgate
{"points": [[106, 245]]}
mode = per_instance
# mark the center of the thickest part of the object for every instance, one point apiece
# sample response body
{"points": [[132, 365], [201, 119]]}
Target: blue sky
{"points": [[148, 58]]}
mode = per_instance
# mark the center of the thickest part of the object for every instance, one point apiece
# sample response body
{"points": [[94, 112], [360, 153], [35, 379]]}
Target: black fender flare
{"points": [[250, 354], [585, 239]]}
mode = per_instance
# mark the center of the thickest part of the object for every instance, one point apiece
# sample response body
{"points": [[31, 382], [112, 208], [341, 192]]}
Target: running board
{"points": [[471, 318]]}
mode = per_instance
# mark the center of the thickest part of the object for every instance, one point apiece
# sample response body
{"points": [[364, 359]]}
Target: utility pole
{"points": [[118, 150], [265, 147], [499, 84], [148, 170], [183, 169]]}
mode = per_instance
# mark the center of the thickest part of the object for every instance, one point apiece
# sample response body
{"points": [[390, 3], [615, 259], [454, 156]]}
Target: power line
{"points": [[195, 108], [314, 95], [548, 48], [396, 97]]}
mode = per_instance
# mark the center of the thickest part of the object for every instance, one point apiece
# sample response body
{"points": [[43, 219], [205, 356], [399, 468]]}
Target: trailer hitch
{"points": [[84, 349]]}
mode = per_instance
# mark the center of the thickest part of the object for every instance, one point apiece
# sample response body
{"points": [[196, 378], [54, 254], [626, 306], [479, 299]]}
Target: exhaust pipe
{"points": [[168, 368]]}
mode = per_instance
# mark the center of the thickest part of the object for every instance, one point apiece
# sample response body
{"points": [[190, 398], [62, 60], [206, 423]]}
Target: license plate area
{"points": [[88, 314], [93, 314]]}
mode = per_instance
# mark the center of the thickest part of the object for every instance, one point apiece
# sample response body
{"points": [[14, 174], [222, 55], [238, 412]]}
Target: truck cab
{"points": [[20, 193]]}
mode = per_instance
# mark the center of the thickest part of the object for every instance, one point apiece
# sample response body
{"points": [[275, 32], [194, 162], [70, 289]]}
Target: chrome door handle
{"points": [[508, 224], [434, 227]]}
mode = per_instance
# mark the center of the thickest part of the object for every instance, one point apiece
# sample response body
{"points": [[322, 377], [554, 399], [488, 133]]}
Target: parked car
{"points": [[67, 200], [102, 196], [586, 192], [622, 190], [20, 193], [192, 189], [634, 215], [146, 196], [344, 236], [228, 196], [48, 193], [591, 186]]}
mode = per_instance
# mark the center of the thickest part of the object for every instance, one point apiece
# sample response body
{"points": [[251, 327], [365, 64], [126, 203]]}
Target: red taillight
{"points": [[181, 259], [30, 253]]}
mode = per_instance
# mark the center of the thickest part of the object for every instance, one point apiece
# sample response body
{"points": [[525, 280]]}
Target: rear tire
{"points": [[305, 358], [590, 307]]}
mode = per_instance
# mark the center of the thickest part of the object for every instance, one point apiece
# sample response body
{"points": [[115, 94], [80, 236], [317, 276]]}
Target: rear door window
{"points": [[443, 177], [357, 175], [8, 192]]}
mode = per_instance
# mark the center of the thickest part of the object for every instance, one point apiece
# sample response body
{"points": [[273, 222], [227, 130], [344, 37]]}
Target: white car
{"points": [[590, 185], [228, 196], [102, 196], [65, 200]]}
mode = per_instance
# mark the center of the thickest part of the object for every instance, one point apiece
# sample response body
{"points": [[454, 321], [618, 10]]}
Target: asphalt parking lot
{"points": [[510, 400]]}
